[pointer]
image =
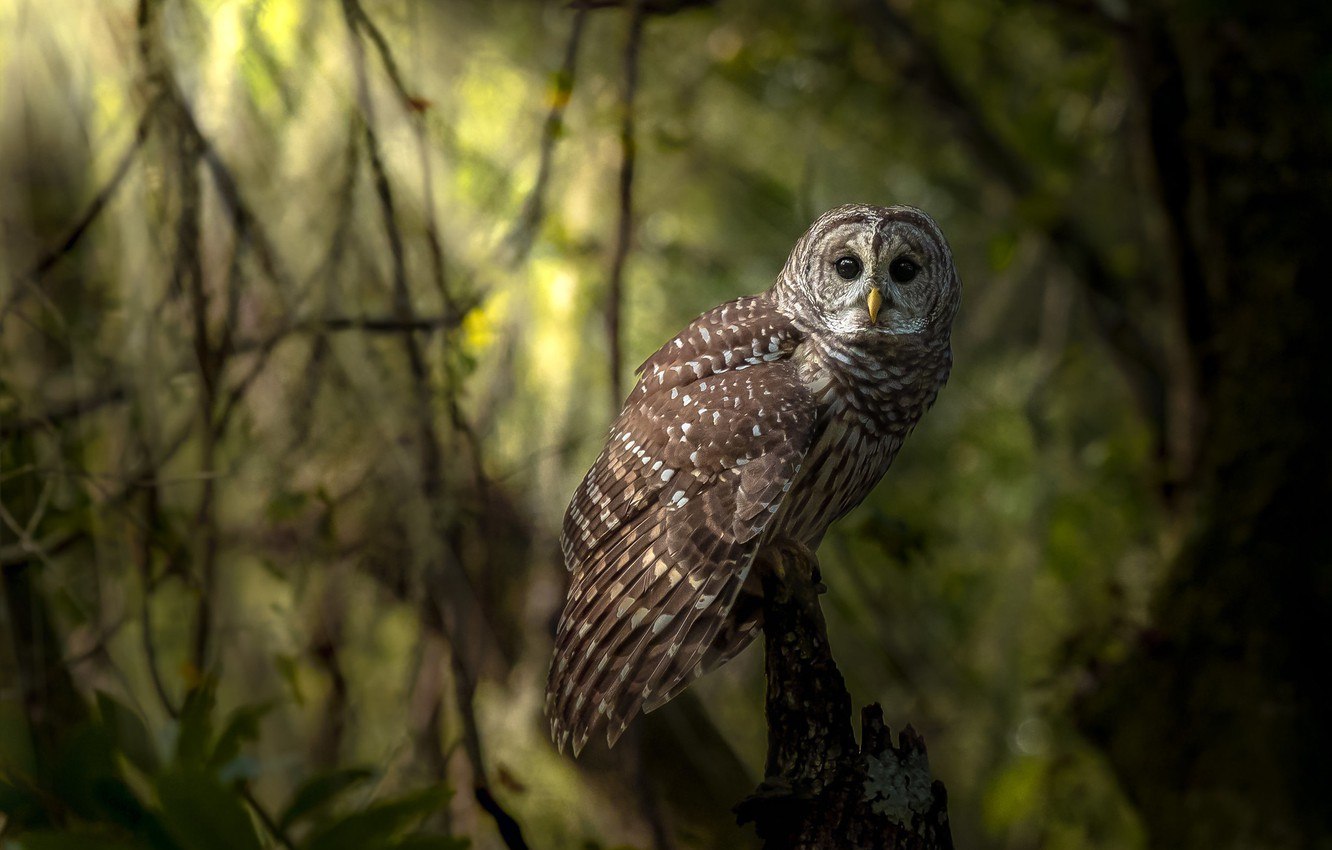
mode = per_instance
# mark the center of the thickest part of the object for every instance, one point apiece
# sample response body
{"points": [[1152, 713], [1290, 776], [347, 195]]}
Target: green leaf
{"points": [[318, 791], [85, 765], [202, 814], [242, 725], [379, 824], [129, 733], [195, 726], [290, 671], [72, 840], [20, 805], [16, 752], [118, 804]]}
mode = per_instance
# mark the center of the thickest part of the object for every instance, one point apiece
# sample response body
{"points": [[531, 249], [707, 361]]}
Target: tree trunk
{"points": [[821, 790], [1217, 723]]}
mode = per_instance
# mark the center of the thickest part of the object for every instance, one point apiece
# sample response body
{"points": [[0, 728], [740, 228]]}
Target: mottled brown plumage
{"points": [[769, 416]]}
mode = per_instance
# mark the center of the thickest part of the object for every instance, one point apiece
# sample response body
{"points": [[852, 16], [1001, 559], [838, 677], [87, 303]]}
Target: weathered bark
{"points": [[1217, 723], [821, 789]]}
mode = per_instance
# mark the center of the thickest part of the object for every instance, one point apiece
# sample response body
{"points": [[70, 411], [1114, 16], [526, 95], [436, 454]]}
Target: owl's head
{"points": [[864, 271]]}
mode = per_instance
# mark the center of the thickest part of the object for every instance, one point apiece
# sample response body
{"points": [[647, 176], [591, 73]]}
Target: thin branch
{"points": [[144, 561], [416, 107], [118, 394], [99, 644], [188, 277], [44, 549], [325, 649], [246, 223], [363, 23], [465, 694], [258, 46], [429, 444], [402, 299], [520, 238], [426, 712], [28, 283], [433, 239], [523, 233], [624, 230]]}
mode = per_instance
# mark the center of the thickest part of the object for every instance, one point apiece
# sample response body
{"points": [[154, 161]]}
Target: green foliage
{"points": [[380, 824], [110, 787], [320, 791], [201, 814]]}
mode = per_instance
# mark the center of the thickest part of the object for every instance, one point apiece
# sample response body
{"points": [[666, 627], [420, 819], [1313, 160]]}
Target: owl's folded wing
{"points": [[662, 532]]}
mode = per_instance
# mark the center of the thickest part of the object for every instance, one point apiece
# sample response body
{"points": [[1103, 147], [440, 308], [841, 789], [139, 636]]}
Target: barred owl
{"points": [[768, 417]]}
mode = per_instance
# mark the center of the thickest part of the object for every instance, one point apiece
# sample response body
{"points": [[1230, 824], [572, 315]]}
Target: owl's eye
{"points": [[848, 268], [903, 270]]}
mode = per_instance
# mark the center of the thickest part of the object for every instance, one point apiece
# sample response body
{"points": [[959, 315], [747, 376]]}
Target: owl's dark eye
{"points": [[903, 270], [848, 268]]}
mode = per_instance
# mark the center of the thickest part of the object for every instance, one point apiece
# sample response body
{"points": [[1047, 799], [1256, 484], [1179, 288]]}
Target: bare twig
{"points": [[433, 239], [25, 550], [427, 702], [429, 444], [416, 107], [117, 394], [523, 233], [28, 548], [144, 562], [624, 229], [520, 238], [188, 278], [28, 283], [177, 112], [257, 45], [99, 643], [191, 148], [403, 309], [465, 691], [325, 649], [363, 23]]}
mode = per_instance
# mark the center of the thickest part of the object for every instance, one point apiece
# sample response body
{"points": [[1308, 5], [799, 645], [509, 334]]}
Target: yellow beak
{"points": [[875, 300]]}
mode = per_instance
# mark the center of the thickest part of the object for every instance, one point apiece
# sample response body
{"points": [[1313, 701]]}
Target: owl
{"points": [[767, 418]]}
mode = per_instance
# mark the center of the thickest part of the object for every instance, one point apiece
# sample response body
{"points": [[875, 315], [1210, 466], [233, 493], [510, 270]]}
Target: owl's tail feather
{"points": [[739, 631], [649, 630], [692, 617], [597, 603]]}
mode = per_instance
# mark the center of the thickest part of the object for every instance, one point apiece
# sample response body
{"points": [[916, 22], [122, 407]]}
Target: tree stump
{"points": [[822, 790]]}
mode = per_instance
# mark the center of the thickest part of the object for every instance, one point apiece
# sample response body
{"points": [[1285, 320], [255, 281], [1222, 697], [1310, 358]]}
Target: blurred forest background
{"points": [[312, 314]]}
